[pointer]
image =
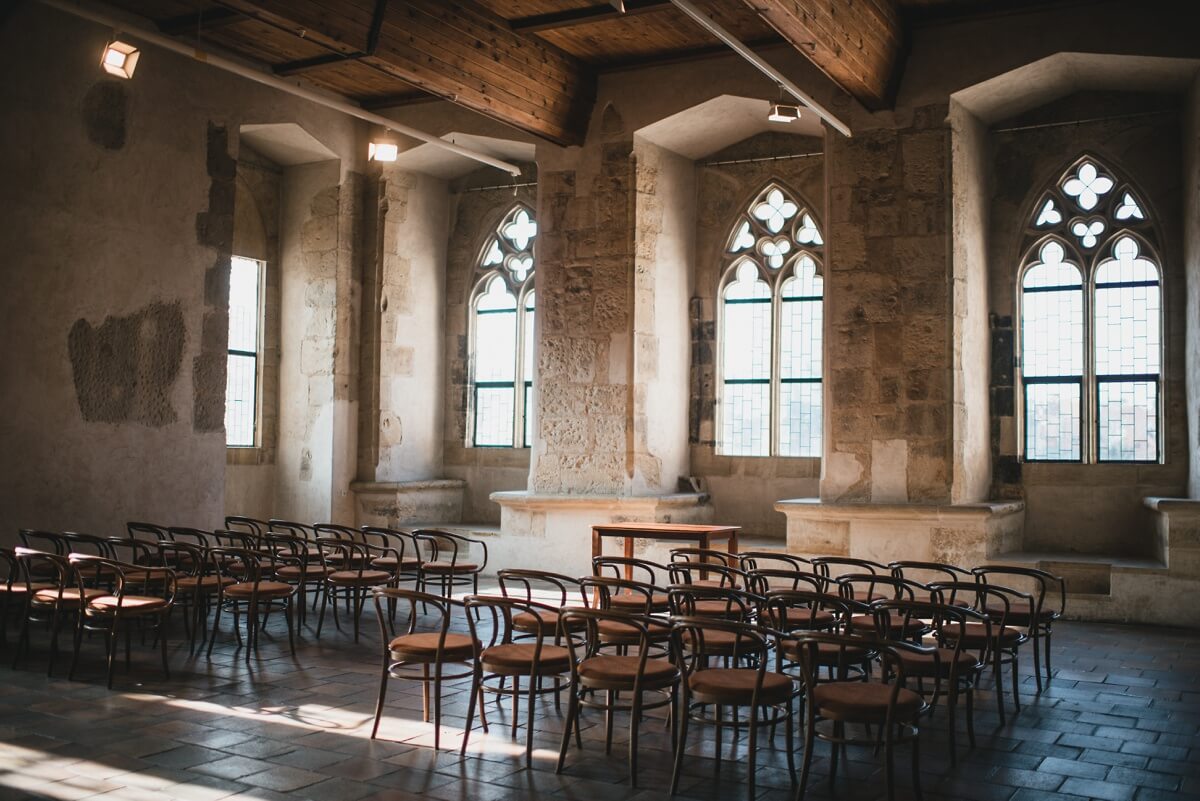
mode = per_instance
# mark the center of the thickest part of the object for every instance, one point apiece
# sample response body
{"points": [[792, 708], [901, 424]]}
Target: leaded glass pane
{"points": [[240, 402], [528, 413], [746, 342], [746, 419], [1052, 333], [1052, 430], [1127, 330], [802, 422], [494, 416], [244, 280], [1128, 421], [495, 346]]}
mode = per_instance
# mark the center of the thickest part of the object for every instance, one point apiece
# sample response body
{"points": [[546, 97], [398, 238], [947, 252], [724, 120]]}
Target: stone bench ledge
{"points": [[817, 509], [517, 499]]}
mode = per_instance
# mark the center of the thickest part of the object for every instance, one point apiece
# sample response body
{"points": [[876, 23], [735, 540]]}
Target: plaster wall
{"points": [[972, 476], [1191, 260], [666, 235], [85, 247], [1086, 508]]}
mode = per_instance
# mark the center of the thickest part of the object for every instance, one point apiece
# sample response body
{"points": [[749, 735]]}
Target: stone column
{"points": [[889, 351]]}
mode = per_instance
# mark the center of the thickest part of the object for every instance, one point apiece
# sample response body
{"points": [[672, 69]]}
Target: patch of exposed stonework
{"points": [[125, 368], [214, 229]]}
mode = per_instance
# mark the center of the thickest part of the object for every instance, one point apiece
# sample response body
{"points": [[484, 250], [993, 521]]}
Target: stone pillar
{"points": [[584, 298], [889, 351]]}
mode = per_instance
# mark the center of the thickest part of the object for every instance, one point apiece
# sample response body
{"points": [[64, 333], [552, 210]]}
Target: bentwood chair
{"points": [[1048, 603], [636, 598], [839, 702], [141, 593], [554, 590], [999, 634], [423, 656], [832, 566], [697, 574], [254, 592], [638, 571], [958, 665], [450, 563], [926, 572], [869, 588], [702, 559], [763, 580], [797, 613], [246, 525], [739, 679], [54, 595], [598, 680], [349, 577], [196, 585], [14, 589], [502, 656], [146, 531]]}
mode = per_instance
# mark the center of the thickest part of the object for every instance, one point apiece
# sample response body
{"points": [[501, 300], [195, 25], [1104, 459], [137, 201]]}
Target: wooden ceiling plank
{"points": [[581, 16], [204, 21], [856, 43], [552, 101]]}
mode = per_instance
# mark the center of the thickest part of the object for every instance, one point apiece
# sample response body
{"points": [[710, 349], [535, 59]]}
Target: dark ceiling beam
{"points": [[857, 43], [186, 24], [459, 51], [333, 59], [582, 16]]}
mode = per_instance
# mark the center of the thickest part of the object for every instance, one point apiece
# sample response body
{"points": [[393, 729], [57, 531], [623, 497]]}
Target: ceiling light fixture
{"points": [[383, 148], [120, 58], [784, 112]]}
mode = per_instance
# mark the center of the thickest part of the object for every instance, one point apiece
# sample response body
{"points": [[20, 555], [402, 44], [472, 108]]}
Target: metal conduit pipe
{"points": [[756, 61], [345, 106]]}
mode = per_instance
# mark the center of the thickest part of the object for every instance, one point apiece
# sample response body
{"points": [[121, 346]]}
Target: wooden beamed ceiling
{"points": [[856, 43], [533, 63]]}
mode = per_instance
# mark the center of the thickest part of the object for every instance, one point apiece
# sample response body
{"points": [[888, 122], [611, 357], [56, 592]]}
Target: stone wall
{"points": [[888, 344], [744, 489], [475, 211], [1085, 507], [584, 297]]}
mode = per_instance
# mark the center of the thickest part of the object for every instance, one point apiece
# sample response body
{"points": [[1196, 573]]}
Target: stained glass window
{"points": [[502, 326], [771, 321], [241, 375], [1091, 382]]}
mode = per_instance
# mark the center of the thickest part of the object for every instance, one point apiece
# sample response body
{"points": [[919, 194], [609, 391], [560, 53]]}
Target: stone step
{"points": [[1086, 574]]}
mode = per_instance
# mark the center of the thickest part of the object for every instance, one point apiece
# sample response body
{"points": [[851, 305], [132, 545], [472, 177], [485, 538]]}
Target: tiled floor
{"points": [[1121, 720]]}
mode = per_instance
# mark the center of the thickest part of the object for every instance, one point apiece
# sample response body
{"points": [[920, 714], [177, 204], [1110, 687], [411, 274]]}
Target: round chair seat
{"points": [[715, 642], [924, 664], [865, 702], [296, 572], [975, 635], [19, 588], [828, 654], [423, 647], [204, 584], [620, 672], [70, 595], [389, 563], [529, 623], [137, 604], [1019, 613], [715, 607], [619, 632], [629, 601], [352, 578], [736, 686], [908, 628], [806, 619], [517, 659], [266, 589], [447, 567]]}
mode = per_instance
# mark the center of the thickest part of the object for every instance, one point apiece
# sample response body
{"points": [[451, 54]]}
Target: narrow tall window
{"points": [[245, 331], [502, 328], [770, 331], [1091, 324]]}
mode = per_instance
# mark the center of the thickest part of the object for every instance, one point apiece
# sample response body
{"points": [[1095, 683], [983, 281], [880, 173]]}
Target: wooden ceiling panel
{"points": [[263, 42]]}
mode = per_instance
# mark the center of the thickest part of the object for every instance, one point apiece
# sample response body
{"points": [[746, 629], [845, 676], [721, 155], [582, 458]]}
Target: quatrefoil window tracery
{"points": [[775, 227], [511, 247]]}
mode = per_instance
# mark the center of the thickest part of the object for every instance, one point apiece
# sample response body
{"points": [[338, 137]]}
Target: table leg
{"points": [[733, 542], [629, 555], [597, 547], [704, 542]]}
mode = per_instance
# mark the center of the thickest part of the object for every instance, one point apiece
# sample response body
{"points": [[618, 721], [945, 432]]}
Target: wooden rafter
{"points": [[588, 14], [455, 50], [857, 43]]}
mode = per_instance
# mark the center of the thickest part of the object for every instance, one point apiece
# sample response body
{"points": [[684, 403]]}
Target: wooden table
{"points": [[687, 532]]}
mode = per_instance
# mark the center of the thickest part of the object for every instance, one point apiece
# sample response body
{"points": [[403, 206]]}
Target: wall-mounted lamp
{"points": [[120, 59], [383, 148]]}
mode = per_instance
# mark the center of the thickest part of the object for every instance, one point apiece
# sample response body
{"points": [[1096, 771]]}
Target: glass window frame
{"points": [[256, 354], [1089, 260]]}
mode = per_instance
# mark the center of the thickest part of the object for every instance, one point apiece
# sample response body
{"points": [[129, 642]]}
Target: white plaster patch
{"points": [[889, 471], [842, 470]]}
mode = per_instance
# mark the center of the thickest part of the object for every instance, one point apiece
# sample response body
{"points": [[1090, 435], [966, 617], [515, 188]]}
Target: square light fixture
{"points": [[120, 59], [383, 149], [783, 112]]}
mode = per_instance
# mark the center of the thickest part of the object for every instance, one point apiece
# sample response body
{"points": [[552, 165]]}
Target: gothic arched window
{"points": [[1091, 323], [770, 322], [501, 335]]}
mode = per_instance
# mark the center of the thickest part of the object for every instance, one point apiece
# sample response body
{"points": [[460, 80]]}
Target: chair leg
{"points": [[475, 681], [383, 682], [1016, 684], [608, 722], [112, 651], [889, 765], [78, 637], [324, 602], [162, 641], [1048, 636], [55, 625], [971, 715], [1037, 662], [635, 715], [529, 710], [789, 739], [999, 682], [289, 613], [437, 708], [753, 746], [212, 635], [425, 693], [916, 764], [809, 741], [680, 744], [572, 714]]}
